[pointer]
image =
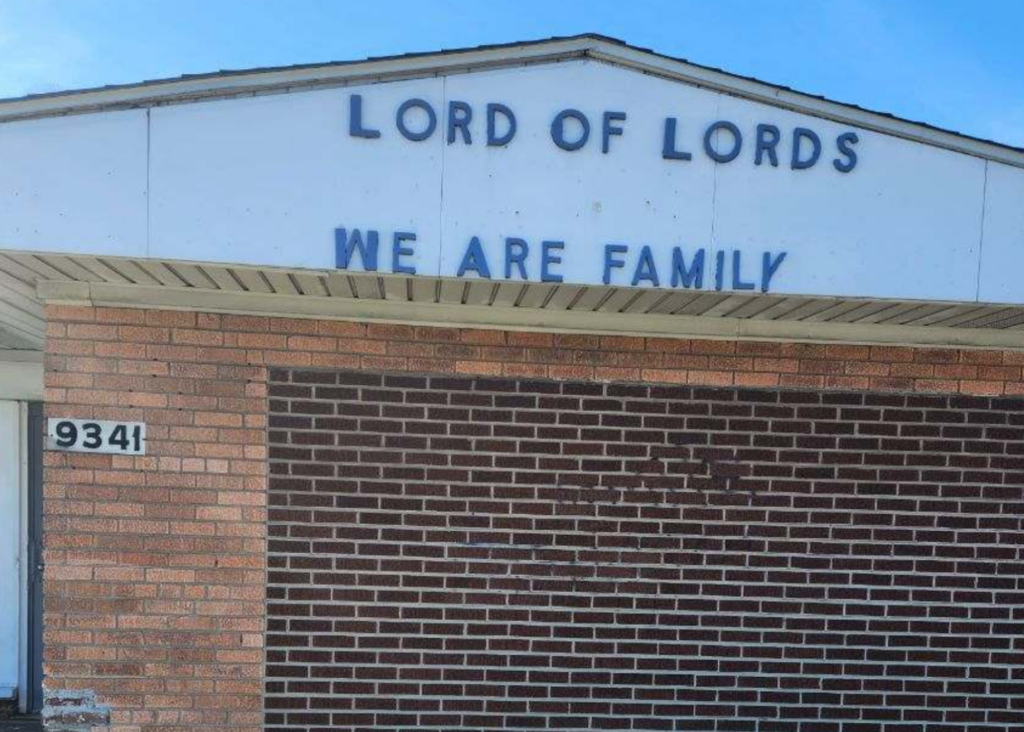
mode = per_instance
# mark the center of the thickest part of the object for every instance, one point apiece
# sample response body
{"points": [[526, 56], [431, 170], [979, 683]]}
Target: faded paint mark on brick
{"points": [[74, 711]]}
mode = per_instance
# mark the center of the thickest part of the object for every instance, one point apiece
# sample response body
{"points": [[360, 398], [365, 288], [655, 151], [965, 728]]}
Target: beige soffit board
{"points": [[21, 380], [260, 81], [140, 283]]}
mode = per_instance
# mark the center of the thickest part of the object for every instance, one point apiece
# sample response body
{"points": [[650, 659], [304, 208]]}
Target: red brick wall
{"points": [[155, 565], [154, 580]]}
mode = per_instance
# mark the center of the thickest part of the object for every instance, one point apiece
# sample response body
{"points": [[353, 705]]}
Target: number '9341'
{"points": [[104, 436]]}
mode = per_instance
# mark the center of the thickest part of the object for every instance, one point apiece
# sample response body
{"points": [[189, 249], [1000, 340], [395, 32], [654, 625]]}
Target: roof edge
{"points": [[224, 84]]}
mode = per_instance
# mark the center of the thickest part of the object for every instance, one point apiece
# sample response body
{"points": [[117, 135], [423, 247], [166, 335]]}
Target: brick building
{"points": [[558, 385]]}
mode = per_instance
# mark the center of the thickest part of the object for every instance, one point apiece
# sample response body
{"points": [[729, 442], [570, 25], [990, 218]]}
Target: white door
{"points": [[11, 507]]}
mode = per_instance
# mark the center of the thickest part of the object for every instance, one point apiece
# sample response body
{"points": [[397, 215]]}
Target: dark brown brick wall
{"points": [[452, 552]]}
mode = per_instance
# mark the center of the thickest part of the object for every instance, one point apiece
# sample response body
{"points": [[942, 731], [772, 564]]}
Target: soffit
{"points": [[28, 279]]}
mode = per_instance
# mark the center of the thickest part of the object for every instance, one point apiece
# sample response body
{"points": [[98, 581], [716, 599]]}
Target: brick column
{"points": [[155, 576]]}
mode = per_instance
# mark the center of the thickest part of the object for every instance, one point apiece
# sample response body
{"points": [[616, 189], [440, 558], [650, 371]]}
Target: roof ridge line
{"points": [[189, 87]]}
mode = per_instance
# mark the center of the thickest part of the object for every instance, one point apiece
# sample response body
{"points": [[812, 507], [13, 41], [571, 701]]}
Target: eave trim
{"points": [[230, 84], [515, 318]]}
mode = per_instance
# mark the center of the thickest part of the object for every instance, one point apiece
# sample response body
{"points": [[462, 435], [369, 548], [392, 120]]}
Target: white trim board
{"points": [[21, 379], [24, 569]]}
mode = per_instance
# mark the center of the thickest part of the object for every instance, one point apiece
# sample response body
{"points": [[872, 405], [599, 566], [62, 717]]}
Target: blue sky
{"points": [[958, 64]]}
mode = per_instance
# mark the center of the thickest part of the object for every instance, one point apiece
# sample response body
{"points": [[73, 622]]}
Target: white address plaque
{"points": [[97, 435]]}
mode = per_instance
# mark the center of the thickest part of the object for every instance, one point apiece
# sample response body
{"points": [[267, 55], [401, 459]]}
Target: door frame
{"points": [[30, 610], [32, 528], [21, 384]]}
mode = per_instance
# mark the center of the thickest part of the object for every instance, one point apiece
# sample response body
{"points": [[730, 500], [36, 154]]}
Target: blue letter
{"points": [[767, 144], [719, 269], [801, 133], [609, 250], [431, 120], [397, 251], [558, 129], [668, 145], [692, 277], [547, 258], [475, 260], [345, 245], [737, 141], [355, 118], [493, 139], [737, 283], [459, 116], [768, 267], [607, 130], [518, 257], [645, 269], [843, 142]]}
